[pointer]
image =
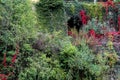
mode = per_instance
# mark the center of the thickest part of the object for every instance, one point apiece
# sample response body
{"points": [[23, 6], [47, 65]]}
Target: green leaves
{"points": [[94, 10], [69, 49], [17, 25], [51, 15], [18, 19], [43, 68], [86, 61], [117, 0], [27, 47], [70, 62]]}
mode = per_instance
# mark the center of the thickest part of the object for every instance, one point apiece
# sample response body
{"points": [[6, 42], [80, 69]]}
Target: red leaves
{"points": [[99, 35], [83, 16], [82, 13], [110, 3], [14, 58], [92, 33], [4, 60], [119, 22], [69, 33], [15, 55], [112, 33], [3, 77], [12, 61]]}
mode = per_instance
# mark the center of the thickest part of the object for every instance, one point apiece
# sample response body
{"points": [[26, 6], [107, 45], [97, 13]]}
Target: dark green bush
{"points": [[51, 15], [73, 8]]}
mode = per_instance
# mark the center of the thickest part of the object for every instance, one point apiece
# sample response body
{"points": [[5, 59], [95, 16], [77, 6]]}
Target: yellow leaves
{"points": [[110, 45], [69, 49], [72, 8]]}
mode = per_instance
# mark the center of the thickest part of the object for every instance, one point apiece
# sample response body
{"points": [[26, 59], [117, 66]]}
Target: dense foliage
{"points": [[51, 14], [17, 28], [17, 20], [64, 61], [34, 45]]}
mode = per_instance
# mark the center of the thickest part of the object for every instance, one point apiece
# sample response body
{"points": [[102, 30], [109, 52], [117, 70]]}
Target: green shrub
{"points": [[68, 63], [45, 64], [51, 15], [17, 21], [17, 26], [85, 65], [94, 10], [73, 8], [43, 68]]}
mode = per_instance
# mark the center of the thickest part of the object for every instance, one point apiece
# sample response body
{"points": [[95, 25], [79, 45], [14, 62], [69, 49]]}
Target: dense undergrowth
{"points": [[60, 60], [34, 41], [17, 31]]}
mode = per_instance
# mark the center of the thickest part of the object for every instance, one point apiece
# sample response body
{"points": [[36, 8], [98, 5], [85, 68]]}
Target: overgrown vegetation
{"points": [[34, 45], [68, 62], [17, 28]]}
